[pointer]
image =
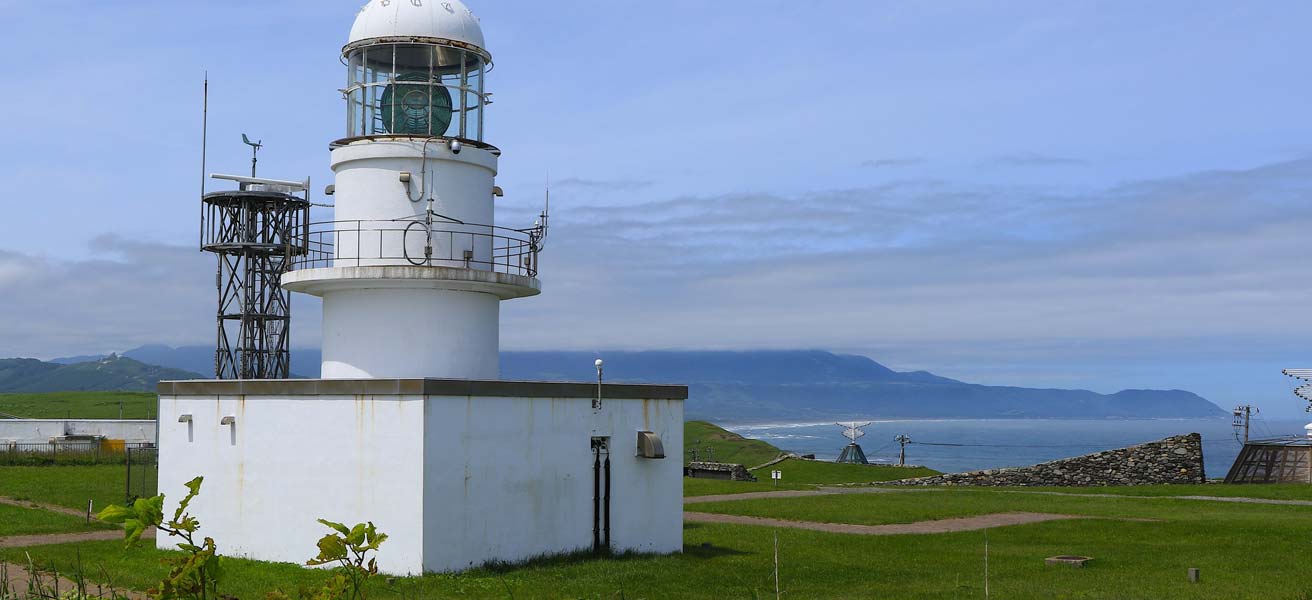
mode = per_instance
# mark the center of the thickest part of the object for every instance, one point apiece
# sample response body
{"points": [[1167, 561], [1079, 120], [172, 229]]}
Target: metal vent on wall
{"points": [[650, 445]]}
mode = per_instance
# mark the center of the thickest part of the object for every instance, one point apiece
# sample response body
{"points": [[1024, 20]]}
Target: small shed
{"points": [[1275, 460]]}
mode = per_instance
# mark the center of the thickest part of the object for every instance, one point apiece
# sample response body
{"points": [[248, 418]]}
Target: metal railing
{"points": [[71, 453], [420, 243]]}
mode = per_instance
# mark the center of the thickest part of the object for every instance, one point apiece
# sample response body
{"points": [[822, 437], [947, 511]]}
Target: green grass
{"points": [[1244, 551], [801, 475], [79, 405], [65, 486], [15, 520], [725, 446]]}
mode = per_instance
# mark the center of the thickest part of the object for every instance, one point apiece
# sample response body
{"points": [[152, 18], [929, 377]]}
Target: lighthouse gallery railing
{"points": [[414, 242]]}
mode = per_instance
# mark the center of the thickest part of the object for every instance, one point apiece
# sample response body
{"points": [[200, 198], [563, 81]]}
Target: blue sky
{"points": [[1106, 196]]}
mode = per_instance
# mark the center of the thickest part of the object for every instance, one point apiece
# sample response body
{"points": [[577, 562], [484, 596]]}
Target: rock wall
{"points": [[713, 470], [1176, 459]]}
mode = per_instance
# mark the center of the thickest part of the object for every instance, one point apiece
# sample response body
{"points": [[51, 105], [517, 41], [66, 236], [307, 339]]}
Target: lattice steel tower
{"points": [[256, 231]]}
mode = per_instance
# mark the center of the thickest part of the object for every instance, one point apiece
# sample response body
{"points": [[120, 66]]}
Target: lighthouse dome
{"points": [[436, 19]]}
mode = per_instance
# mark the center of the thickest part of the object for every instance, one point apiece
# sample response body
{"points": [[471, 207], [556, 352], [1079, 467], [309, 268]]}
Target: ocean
{"points": [[956, 445]]}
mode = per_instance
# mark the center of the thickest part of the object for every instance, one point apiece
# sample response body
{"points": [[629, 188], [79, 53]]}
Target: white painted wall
{"points": [[410, 333], [39, 431], [368, 188], [289, 461], [454, 481], [508, 479]]}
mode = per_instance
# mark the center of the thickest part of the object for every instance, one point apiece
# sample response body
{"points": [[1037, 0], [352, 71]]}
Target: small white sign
{"points": [[776, 475]]}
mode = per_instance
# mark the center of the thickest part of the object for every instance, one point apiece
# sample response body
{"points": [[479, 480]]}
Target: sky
{"points": [[1049, 194]]}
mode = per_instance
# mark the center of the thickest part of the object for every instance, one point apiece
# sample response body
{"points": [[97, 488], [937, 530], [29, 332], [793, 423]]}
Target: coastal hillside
{"points": [[109, 374], [794, 385]]}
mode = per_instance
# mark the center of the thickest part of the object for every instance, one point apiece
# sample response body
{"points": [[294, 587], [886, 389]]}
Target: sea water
{"points": [[956, 445]]}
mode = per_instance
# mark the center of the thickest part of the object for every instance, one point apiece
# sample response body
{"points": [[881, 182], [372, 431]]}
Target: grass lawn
{"points": [[16, 520], [65, 486], [725, 446], [79, 405], [801, 475], [1244, 551]]}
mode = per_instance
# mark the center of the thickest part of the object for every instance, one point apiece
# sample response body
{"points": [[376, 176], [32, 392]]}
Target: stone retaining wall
{"points": [[1176, 459], [712, 470]]}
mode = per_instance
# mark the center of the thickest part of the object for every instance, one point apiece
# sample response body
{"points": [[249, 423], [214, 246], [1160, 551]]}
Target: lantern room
{"points": [[416, 69]]}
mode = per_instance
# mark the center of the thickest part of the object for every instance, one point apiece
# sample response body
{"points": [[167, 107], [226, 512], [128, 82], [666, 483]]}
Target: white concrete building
{"points": [[409, 427], [47, 431]]}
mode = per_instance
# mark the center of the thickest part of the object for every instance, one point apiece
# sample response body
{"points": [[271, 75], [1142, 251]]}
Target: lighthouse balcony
{"points": [[417, 252]]}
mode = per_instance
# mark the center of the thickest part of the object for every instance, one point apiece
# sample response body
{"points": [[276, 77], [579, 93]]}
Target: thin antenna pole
{"points": [[204, 149]]}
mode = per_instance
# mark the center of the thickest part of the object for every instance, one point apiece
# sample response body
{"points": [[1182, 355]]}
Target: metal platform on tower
{"points": [[256, 232]]}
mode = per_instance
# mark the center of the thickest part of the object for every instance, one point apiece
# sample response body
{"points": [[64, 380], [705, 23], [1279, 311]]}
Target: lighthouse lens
{"points": [[420, 108]]}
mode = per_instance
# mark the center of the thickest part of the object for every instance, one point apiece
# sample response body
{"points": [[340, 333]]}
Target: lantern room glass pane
{"points": [[415, 89]]}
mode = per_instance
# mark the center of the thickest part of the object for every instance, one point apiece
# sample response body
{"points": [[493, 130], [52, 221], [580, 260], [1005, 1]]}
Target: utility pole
{"points": [[1243, 416], [902, 440]]}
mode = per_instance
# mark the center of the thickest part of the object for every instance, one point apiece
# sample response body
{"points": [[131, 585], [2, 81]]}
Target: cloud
{"points": [[884, 163], [1032, 159], [968, 280], [603, 185]]}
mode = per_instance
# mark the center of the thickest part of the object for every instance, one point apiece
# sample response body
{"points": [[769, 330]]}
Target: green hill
{"points": [[725, 446], [113, 373]]}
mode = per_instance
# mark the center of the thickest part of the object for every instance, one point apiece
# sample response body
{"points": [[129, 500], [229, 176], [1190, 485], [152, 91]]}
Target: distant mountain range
{"points": [[110, 373], [735, 386]]}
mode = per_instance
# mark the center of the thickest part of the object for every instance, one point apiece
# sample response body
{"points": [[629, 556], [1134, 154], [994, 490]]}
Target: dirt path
{"points": [[830, 491], [1238, 499], [46, 539], [824, 491], [19, 578], [50, 507], [921, 527]]}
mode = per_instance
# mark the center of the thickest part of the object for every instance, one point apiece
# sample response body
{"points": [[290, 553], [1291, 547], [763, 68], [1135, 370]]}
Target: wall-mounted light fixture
{"points": [[184, 419], [228, 420]]}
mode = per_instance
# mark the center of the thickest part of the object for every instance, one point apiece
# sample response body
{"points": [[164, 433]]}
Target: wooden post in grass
{"points": [[1195, 575]]}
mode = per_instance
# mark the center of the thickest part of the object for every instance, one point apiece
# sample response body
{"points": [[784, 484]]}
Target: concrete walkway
{"points": [[921, 527]]}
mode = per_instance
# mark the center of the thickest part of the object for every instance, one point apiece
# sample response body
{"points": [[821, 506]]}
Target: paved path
{"points": [[922, 527]]}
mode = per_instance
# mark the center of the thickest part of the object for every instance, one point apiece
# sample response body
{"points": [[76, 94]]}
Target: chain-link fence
{"points": [[143, 473]]}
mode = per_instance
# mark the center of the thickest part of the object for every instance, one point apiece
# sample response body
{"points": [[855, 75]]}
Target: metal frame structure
{"points": [[1281, 460], [256, 232]]}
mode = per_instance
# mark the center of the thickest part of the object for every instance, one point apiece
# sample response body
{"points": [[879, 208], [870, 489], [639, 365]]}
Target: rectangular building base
{"points": [[457, 473]]}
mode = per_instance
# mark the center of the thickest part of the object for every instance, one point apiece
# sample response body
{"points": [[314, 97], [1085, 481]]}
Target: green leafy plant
{"points": [[348, 549], [193, 576]]}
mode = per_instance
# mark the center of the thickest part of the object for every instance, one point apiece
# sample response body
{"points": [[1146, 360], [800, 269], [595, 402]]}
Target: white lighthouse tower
{"points": [[413, 270], [409, 426]]}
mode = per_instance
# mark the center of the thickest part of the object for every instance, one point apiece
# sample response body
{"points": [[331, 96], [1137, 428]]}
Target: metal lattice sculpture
{"points": [[256, 232], [853, 453]]}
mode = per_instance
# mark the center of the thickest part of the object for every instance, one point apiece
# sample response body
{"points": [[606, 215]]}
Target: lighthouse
{"points": [[409, 425], [413, 269]]}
